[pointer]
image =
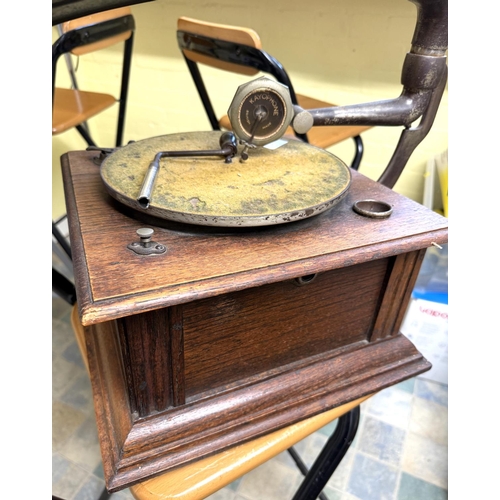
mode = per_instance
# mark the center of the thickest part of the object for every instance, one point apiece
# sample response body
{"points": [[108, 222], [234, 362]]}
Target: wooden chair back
{"points": [[72, 107], [235, 34], [99, 17]]}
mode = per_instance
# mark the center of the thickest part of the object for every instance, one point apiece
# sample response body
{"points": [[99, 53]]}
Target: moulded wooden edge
{"points": [[197, 430], [204, 477], [94, 312]]}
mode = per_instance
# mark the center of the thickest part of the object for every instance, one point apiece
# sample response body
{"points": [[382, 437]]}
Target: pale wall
{"points": [[341, 51]]}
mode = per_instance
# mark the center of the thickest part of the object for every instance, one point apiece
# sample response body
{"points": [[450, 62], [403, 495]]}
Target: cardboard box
{"points": [[426, 325]]}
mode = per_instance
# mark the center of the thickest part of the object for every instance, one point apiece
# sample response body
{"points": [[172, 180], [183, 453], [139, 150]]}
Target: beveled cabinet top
{"points": [[112, 281]]}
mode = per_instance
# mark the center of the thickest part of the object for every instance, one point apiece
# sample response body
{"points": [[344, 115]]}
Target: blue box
{"points": [[432, 281]]}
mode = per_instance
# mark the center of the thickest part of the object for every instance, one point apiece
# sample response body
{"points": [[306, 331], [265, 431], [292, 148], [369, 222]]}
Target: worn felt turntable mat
{"points": [[274, 186]]}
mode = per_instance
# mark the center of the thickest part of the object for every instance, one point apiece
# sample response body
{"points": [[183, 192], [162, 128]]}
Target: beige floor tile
{"points": [[426, 460], [62, 336], [64, 373], [429, 420], [83, 446], [67, 478], [60, 308], [65, 422], [310, 447]]}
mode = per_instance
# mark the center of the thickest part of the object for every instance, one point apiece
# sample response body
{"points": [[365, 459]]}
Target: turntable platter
{"points": [[274, 186]]}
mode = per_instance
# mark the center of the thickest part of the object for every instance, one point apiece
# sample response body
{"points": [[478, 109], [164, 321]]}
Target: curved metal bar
{"points": [[411, 138], [431, 32], [66, 10], [302, 467], [63, 287], [330, 457], [422, 73], [61, 240], [423, 77]]}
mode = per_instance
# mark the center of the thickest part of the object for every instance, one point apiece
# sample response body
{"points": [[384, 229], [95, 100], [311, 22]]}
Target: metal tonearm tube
{"points": [[228, 148], [424, 76]]}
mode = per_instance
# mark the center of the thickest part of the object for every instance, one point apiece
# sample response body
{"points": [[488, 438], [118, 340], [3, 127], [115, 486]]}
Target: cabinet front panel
{"points": [[243, 334]]}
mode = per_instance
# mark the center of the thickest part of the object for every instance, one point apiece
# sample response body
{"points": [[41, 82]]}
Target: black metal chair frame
{"points": [[67, 42], [244, 55], [60, 283], [86, 35]]}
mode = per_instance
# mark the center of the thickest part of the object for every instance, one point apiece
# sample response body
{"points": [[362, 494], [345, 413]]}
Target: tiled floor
{"points": [[400, 451]]}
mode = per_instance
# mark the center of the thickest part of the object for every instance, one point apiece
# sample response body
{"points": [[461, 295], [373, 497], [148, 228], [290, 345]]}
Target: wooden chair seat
{"points": [[204, 477], [73, 107]]}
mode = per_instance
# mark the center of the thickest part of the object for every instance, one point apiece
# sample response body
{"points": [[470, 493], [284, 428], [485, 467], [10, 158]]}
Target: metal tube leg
{"points": [[63, 287], [329, 458], [302, 467], [61, 239], [85, 134]]}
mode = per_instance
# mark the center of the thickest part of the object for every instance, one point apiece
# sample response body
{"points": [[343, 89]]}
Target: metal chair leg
{"points": [[61, 239], [86, 135], [330, 457], [302, 467], [63, 287]]}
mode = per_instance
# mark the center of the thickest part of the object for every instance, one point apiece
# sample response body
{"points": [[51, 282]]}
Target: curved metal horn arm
{"points": [[431, 32], [423, 77], [411, 138], [392, 112]]}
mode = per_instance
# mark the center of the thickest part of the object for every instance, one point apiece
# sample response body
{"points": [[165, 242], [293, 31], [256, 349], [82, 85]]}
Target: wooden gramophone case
{"points": [[231, 334]]}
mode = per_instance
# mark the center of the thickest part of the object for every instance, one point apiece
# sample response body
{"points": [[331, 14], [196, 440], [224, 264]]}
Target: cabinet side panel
{"points": [[397, 295]]}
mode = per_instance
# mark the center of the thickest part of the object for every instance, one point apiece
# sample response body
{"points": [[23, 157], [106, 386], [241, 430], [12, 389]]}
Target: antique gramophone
{"points": [[233, 283]]}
